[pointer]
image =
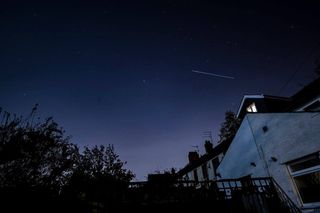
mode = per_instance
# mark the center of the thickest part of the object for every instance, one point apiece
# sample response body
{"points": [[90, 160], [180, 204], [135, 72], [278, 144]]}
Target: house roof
{"points": [[303, 96], [220, 148], [262, 96], [306, 94]]}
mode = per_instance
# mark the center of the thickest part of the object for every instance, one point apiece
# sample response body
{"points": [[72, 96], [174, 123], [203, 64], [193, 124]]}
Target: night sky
{"points": [[119, 72]]}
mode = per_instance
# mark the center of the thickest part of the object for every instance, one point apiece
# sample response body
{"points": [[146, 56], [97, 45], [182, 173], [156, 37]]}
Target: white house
{"points": [[280, 138], [285, 146]]}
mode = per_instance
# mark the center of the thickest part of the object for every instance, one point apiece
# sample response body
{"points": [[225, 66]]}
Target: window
{"points": [[306, 175], [252, 108], [186, 177]]}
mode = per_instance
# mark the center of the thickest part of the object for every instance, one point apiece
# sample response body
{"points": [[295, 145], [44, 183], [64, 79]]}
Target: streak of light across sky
{"points": [[212, 74]]}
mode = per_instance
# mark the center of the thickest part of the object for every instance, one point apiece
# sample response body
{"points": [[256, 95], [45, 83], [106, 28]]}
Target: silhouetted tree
{"points": [[229, 127], [38, 161], [103, 161], [99, 177], [34, 155]]}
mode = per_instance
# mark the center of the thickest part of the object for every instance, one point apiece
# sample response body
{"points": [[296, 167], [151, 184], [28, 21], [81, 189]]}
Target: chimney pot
{"points": [[193, 157], [208, 147]]}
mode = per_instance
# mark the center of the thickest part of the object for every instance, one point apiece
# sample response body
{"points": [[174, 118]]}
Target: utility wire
{"points": [[302, 63]]}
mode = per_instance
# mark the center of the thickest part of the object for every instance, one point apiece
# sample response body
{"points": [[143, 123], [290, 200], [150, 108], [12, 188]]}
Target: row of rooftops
{"points": [[195, 160]]}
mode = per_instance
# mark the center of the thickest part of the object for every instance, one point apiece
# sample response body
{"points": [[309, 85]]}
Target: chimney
{"points": [[208, 147], [193, 157]]}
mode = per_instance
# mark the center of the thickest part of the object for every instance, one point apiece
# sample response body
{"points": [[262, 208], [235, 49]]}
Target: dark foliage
{"points": [[229, 127], [39, 164], [34, 155], [99, 179]]}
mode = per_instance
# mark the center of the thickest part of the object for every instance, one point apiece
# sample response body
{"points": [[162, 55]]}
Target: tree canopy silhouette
{"points": [[103, 161], [229, 127], [34, 155], [37, 158]]}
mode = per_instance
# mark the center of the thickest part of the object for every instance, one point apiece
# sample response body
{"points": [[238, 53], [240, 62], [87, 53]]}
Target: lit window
{"points": [[252, 108], [306, 176]]}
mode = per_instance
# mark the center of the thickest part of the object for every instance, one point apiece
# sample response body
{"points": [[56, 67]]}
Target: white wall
{"points": [[199, 171], [289, 136], [210, 170], [241, 153]]}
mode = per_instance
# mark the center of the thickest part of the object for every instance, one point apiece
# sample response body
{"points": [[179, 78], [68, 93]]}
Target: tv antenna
{"points": [[196, 148], [207, 136]]}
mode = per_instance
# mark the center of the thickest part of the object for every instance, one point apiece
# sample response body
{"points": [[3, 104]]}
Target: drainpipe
{"points": [[260, 151]]}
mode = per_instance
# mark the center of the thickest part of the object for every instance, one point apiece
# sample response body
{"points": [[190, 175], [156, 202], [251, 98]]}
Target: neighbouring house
{"points": [[203, 168], [280, 138]]}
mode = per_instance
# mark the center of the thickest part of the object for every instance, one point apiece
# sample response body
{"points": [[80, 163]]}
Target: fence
{"points": [[260, 195]]}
